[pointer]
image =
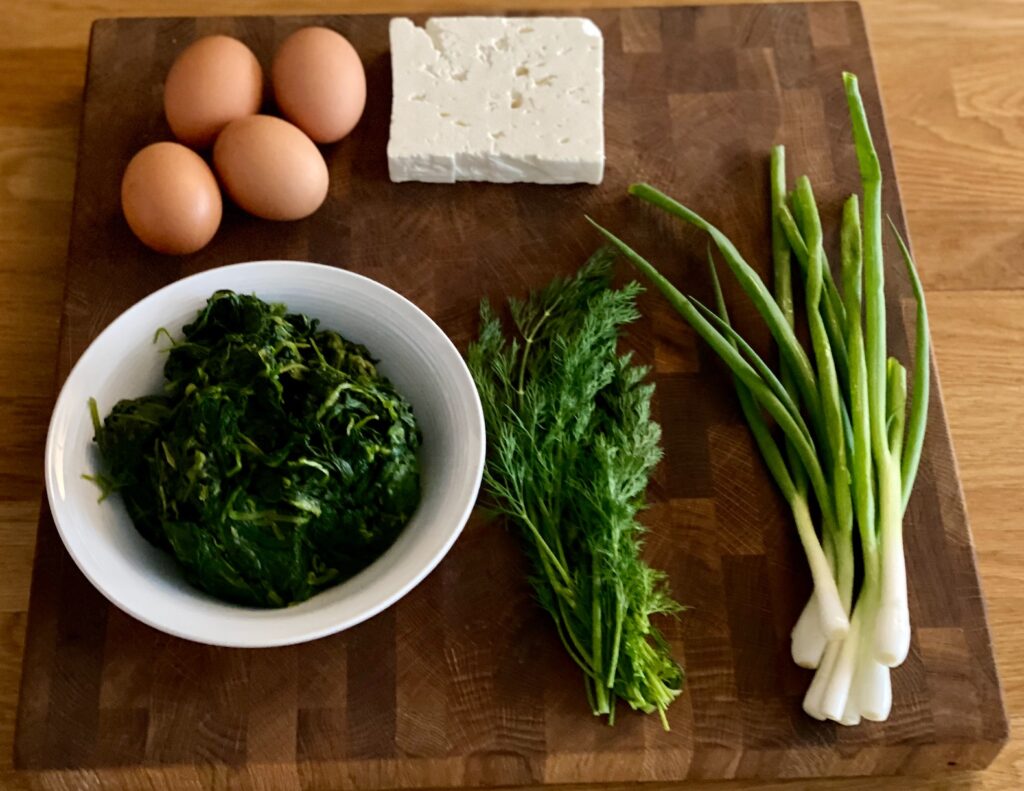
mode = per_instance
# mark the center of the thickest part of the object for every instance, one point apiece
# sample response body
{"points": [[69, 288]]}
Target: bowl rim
{"points": [[298, 636]]}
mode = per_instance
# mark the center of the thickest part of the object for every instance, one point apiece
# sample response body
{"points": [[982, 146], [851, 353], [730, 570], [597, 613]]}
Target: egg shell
{"points": [[270, 168], [212, 82], [319, 83], [170, 199]]}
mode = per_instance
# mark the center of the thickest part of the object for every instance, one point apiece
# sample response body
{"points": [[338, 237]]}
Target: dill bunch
{"points": [[571, 449]]}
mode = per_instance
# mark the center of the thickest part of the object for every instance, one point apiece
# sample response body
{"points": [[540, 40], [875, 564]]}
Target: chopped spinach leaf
{"points": [[276, 463]]}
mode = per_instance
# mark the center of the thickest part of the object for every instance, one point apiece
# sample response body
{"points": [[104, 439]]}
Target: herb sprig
{"points": [[571, 448]]}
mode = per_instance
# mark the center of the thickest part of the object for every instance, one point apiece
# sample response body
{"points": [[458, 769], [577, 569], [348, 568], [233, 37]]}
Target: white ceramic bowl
{"points": [[123, 362]]}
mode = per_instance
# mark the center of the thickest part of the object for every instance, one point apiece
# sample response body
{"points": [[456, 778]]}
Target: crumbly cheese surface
{"points": [[497, 99]]}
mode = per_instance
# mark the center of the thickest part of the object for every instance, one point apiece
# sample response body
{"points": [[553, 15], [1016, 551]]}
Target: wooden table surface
{"points": [[950, 74]]}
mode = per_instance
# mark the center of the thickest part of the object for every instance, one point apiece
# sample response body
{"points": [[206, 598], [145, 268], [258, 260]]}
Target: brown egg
{"points": [[211, 83], [319, 83], [170, 198], [270, 168]]}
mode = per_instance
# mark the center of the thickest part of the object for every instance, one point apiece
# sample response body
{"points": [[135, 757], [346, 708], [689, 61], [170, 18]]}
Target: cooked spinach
{"points": [[276, 463]]}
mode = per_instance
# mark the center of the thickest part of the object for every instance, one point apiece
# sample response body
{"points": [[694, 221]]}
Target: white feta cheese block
{"points": [[497, 99]]}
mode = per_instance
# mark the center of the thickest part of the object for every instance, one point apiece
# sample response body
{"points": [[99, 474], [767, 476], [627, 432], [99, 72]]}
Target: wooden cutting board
{"points": [[463, 682]]}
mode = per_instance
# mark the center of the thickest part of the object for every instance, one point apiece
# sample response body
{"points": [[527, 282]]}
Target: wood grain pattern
{"points": [[679, 355]]}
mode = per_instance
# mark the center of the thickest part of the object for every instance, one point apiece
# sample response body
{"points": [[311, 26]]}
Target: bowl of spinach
{"points": [[264, 453]]}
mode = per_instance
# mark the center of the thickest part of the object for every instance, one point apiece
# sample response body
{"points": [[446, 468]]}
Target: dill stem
{"points": [[547, 555], [613, 662], [571, 644], [528, 340], [596, 638]]}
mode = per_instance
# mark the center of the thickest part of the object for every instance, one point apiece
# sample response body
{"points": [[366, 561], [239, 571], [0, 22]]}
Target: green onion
{"points": [[789, 346], [892, 624], [922, 359], [850, 432]]}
